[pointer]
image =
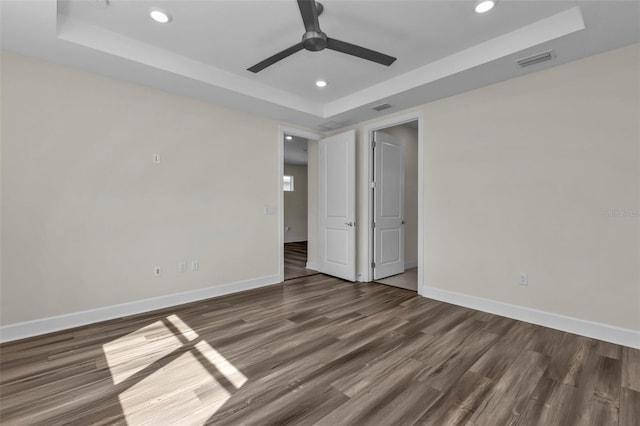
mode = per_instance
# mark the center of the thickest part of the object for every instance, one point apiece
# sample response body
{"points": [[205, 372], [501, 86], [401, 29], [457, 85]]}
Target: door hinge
{"points": [[373, 144], [373, 185], [373, 225], [373, 264]]}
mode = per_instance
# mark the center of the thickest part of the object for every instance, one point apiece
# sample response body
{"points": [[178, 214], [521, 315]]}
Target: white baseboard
{"points": [[312, 265], [62, 322], [608, 333], [411, 265]]}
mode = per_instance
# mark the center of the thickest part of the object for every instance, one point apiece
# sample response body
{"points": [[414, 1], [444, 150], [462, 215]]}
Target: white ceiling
{"points": [[443, 48], [296, 151]]}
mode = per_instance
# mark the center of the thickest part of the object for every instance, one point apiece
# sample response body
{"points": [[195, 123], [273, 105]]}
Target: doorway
{"points": [[364, 231], [297, 202], [295, 189], [394, 203]]}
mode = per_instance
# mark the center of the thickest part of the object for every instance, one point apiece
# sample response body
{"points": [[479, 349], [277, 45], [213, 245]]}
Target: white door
{"points": [[337, 206], [388, 194]]}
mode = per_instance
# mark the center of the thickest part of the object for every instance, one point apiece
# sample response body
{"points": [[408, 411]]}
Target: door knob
{"points": [[349, 223], [403, 222]]}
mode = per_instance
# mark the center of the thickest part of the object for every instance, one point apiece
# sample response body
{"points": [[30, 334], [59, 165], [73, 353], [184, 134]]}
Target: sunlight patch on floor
{"points": [[169, 375], [227, 369], [184, 329], [182, 392], [135, 351]]}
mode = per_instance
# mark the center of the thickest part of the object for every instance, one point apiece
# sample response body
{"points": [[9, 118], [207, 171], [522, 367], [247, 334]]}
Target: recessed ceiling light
{"points": [[321, 83], [160, 16], [484, 6], [288, 137]]}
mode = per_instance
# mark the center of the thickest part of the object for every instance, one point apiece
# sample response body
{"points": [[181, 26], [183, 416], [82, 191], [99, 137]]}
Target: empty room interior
{"points": [[282, 212]]}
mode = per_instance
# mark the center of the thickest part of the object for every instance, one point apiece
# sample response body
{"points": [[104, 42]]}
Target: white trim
{"points": [[411, 265], [113, 43], [367, 135], [62, 322], [217, 81], [312, 265], [282, 129], [595, 330], [551, 28], [421, 236]]}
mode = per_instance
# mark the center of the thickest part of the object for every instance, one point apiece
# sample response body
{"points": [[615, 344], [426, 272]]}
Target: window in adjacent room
{"points": [[287, 183]]}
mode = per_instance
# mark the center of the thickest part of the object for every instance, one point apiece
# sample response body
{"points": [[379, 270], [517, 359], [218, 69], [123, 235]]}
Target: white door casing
{"points": [[337, 205], [388, 235]]}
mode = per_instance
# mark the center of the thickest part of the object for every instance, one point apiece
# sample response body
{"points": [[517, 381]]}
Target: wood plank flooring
{"points": [[318, 350], [407, 280], [295, 261]]}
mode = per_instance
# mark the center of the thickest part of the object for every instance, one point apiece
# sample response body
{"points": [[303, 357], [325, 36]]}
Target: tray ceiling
{"points": [[443, 48]]}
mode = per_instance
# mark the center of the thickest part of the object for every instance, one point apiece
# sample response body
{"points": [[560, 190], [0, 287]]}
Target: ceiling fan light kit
{"points": [[314, 40]]}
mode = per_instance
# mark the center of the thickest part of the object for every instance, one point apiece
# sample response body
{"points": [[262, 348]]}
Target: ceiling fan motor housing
{"points": [[314, 41]]}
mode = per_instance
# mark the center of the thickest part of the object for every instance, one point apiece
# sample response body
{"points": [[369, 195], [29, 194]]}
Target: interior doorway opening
{"points": [[295, 189], [298, 203], [394, 204]]}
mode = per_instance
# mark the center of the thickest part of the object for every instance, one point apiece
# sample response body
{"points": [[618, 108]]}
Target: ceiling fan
{"points": [[315, 40]]}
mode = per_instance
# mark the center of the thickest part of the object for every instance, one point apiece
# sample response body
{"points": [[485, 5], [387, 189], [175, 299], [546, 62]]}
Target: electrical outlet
{"points": [[523, 279], [182, 267], [157, 271], [195, 265]]}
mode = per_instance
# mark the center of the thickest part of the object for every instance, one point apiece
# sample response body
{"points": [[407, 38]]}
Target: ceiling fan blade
{"points": [[309, 12], [275, 58], [361, 52]]}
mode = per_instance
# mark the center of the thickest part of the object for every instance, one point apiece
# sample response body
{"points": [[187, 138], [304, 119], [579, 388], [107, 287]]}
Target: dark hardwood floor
{"points": [[295, 261], [318, 350]]}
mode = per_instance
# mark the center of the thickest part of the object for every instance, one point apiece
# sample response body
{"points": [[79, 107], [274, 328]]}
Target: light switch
{"points": [[270, 211]]}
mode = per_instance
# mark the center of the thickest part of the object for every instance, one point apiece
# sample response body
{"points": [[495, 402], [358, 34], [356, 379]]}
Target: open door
{"points": [[388, 235], [337, 206]]}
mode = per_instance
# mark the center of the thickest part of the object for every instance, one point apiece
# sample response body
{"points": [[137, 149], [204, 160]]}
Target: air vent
{"points": [[381, 107], [536, 59], [330, 125]]}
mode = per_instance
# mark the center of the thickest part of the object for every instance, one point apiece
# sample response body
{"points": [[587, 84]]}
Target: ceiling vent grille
{"points": [[381, 107], [330, 125], [536, 59]]}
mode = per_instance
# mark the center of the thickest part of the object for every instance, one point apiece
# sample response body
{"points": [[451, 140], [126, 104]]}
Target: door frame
{"points": [[282, 130], [367, 136]]}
